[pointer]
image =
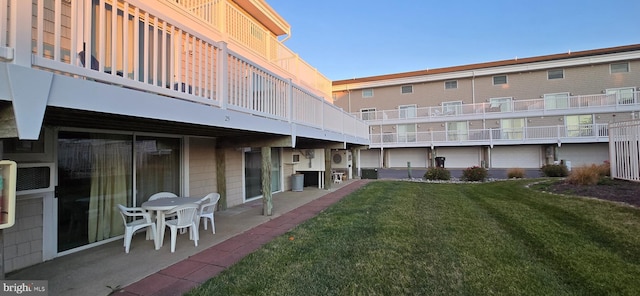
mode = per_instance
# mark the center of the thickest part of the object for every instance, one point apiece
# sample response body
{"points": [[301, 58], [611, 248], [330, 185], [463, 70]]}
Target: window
{"points": [[622, 95], [619, 68], [452, 108], [502, 79], [451, 84], [555, 74], [499, 105], [367, 93], [512, 128], [579, 125], [556, 101], [457, 131], [368, 113], [407, 111], [407, 89], [406, 132]]}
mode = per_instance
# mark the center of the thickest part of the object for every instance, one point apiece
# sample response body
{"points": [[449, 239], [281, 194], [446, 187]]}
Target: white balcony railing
{"points": [[228, 19], [578, 104], [155, 49], [495, 136]]}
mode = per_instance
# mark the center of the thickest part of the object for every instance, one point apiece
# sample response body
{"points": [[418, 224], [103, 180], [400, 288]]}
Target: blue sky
{"points": [[347, 39]]}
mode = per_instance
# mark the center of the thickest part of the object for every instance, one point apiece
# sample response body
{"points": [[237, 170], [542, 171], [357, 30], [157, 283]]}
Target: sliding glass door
{"points": [[96, 172], [253, 175]]}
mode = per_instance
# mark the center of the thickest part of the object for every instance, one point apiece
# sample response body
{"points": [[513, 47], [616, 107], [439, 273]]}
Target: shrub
{"points": [[517, 173], [584, 175], [474, 173], [437, 173], [604, 169], [555, 170]]}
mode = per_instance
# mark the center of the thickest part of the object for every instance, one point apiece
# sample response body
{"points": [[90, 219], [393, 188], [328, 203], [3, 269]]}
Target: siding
{"points": [[202, 166]]}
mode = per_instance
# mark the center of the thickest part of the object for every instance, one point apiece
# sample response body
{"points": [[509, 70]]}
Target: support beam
{"points": [[267, 200], [327, 169], [274, 141], [221, 177]]}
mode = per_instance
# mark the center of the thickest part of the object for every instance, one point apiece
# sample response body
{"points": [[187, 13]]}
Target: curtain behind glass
{"points": [[157, 166], [110, 185]]}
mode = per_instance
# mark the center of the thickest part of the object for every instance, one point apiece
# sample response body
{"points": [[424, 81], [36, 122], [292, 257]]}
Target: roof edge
{"points": [[517, 61]]}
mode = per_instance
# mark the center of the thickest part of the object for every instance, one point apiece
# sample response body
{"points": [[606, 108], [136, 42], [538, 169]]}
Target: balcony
{"points": [[206, 53], [587, 133], [572, 105]]}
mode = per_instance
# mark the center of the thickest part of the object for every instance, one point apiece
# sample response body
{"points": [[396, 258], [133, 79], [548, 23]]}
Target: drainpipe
{"points": [[473, 87]]}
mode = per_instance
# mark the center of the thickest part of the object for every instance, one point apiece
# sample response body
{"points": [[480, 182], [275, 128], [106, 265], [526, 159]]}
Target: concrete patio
{"points": [[145, 271]]}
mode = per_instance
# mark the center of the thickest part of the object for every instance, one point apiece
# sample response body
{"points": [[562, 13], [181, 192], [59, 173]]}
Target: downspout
{"points": [[473, 87]]}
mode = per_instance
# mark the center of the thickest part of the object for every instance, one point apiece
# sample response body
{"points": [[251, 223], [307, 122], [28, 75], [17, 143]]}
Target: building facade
{"points": [[105, 102], [520, 113]]}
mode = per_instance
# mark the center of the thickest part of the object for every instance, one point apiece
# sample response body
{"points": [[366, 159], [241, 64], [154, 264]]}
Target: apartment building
{"points": [[105, 102], [522, 113]]}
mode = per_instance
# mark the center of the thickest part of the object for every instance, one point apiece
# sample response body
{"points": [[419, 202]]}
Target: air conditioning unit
{"points": [[341, 159], [35, 178]]}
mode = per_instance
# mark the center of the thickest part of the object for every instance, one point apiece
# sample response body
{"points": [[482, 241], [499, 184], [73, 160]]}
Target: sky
{"points": [[346, 39]]}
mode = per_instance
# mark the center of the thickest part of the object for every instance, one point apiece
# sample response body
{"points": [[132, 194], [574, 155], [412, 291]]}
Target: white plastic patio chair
{"points": [[206, 211], [164, 194], [136, 224], [186, 218]]}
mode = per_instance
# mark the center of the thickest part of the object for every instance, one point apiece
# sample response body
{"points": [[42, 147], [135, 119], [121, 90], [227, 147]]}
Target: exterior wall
{"points": [[235, 175], [202, 166], [23, 242], [584, 154], [370, 158], [398, 158], [460, 157], [521, 156], [581, 80]]}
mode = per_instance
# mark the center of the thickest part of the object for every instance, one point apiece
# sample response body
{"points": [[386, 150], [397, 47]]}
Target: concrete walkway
{"points": [[240, 230]]}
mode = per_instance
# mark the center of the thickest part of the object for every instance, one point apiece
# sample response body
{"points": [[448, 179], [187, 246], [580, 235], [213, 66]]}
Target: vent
{"points": [[33, 178]]}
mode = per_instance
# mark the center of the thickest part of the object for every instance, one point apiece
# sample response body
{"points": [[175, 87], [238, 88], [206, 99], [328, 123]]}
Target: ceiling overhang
{"points": [[262, 12]]}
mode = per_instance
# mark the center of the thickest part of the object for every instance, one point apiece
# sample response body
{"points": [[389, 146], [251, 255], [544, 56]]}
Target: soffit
{"points": [[262, 12]]}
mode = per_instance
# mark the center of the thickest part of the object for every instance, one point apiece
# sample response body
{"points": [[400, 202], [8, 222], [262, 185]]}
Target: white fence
{"points": [[624, 150]]}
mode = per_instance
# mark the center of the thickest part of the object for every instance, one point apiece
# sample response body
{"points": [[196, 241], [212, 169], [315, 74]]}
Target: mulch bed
{"points": [[614, 190]]}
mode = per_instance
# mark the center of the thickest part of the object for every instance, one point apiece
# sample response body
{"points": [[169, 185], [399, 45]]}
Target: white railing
{"points": [[228, 19], [495, 136], [483, 110], [624, 150], [133, 45]]}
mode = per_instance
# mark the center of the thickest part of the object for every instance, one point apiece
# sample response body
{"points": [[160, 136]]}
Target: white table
{"points": [[337, 177], [161, 206]]}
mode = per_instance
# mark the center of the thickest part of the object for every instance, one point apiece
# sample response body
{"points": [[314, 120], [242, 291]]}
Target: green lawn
{"points": [[403, 238]]}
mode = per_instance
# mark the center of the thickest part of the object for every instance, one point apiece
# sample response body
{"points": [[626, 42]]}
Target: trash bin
{"points": [[440, 161], [369, 173], [297, 182]]}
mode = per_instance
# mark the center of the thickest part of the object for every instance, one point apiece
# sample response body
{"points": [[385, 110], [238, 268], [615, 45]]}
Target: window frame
{"points": [[551, 77], [367, 93], [562, 97], [452, 107], [577, 127], [406, 110], [455, 86], [506, 79], [370, 112], [402, 88], [407, 133], [626, 70]]}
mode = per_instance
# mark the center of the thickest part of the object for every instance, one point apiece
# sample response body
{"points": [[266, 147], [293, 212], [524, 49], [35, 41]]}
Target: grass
{"points": [[402, 238]]}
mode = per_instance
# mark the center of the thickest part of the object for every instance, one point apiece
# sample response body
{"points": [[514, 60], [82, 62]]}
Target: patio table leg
{"points": [[159, 229]]}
